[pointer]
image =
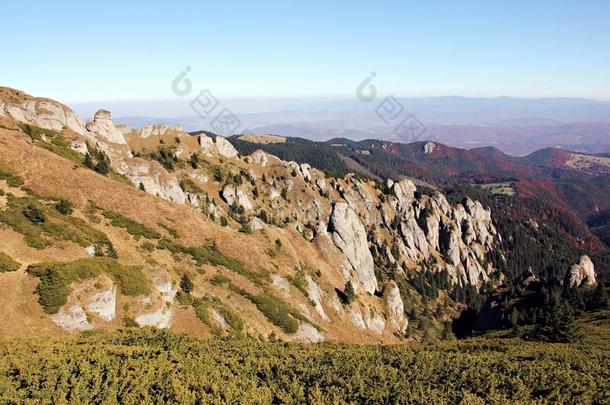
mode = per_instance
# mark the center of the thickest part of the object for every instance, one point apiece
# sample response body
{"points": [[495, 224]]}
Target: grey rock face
{"points": [[395, 307], [236, 195], [102, 125], [349, 236], [581, 274]]}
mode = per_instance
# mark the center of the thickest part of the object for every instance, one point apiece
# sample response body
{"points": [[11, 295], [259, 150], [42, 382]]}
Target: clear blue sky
{"points": [[107, 50]]}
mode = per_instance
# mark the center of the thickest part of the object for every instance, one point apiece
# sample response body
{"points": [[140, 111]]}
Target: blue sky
{"points": [[95, 51]]}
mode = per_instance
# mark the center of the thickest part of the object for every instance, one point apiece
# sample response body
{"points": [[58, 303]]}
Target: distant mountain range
{"points": [[514, 125]]}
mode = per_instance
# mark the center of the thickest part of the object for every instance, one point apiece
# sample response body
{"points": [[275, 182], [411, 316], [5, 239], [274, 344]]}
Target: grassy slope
{"points": [[46, 174], [153, 366]]}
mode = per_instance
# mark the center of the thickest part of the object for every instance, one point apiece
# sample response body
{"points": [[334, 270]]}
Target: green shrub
{"points": [[11, 179], [64, 207], [211, 255], [34, 214], [219, 279], [55, 279], [188, 186], [158, 366], [298, 280], [186, 284], [132, 227], [7, 263], [167, 158], [277, 311], [349, 294], [56, 226], [205, 305], [36, 133], [173, 232], [149, 247]]}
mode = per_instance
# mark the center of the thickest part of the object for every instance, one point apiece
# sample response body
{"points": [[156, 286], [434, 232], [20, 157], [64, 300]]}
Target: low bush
{"points": [[132, 227], [34, 213], [277, 311], [40, 225], [64, 207], [11, 179], [55, 279], [152, 366], [205, 305], [7, 263], [211, 255]]}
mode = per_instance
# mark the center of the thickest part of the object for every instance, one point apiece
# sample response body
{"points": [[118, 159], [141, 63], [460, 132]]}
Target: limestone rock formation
{"points": [[349, 236], [155, 180], [581, 274], [218, 145], [224, 147], [236, 195], [158, 130], [259, 157], [102, 125], [395, 307]]}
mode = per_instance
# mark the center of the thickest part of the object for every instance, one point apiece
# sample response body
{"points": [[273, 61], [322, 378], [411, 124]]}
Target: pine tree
{"points": [[186, 284], [88, 162], [103, 164], [557, 323], [599, 300], [350, 293]]}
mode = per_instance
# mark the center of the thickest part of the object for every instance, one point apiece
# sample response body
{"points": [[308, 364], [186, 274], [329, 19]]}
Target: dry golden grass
{"points": [[263, 138], [47, 174]]}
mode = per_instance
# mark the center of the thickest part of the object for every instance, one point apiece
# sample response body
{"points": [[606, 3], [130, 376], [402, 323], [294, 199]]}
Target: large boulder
{"points": [[259, 157], [349, 236], [225, 148], [43, 113], [158, 130], [236, 195], [581, 274], [102, 125], [156, 180], [395, 307]]}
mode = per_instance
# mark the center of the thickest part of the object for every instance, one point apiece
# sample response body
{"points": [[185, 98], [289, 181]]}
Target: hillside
{"points": [[107, 226], [576, 183], [113, 226]]}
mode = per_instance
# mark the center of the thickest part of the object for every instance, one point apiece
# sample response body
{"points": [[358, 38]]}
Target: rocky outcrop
{"points": [[236, 195], [217, 145], [159, 130], [154, 179], [259, 157], [72, 317], [315, 295], [45, 114], [404, 191], [164, 294], [395, 307], [103, 304], [581, 274], [224, 148], [349, 236], [307, 333], [80, 147], [102, 125]]}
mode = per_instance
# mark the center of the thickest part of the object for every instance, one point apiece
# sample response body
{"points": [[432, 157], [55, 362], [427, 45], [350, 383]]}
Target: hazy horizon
{"points": [[316, 49]]}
